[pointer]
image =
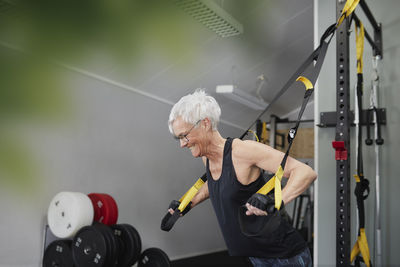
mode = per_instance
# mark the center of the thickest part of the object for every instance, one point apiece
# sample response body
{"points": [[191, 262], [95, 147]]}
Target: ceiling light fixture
{"points": [[212, 16], [242, 97]]}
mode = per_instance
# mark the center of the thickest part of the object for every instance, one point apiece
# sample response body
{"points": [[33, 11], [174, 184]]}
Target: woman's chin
{"points": [[195, 153]]}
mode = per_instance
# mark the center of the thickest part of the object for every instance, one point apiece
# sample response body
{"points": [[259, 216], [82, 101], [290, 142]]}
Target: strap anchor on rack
{"points": [[340, 150]]}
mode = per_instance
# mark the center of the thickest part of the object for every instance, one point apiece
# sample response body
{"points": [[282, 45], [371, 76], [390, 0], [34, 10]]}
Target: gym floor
{"points": [[213, 259]]}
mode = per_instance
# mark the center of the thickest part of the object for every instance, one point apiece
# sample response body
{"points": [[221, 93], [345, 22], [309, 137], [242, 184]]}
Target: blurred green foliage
{"points": [[31, 93], [17, 166], [35, 34], [70, 29]]}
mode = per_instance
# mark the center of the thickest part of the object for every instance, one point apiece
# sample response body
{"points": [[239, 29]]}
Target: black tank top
{"points": [[227, 194]]}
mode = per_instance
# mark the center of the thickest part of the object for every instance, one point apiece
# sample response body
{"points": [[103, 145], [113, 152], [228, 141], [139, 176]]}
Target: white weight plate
{"points": [[68, 212]]}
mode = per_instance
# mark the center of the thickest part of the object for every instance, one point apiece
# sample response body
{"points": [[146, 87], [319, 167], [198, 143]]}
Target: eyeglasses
{"points": [[184, 136]]}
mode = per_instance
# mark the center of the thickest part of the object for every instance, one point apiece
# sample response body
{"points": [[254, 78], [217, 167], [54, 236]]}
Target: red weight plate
{"points": [[97, 203], [110, 209], [106, 209], [114, 211]]}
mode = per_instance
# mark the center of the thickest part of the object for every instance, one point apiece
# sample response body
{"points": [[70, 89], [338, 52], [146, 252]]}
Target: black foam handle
{"points": [[259, 226], [369, 141], [169, 220], [379, 140]]}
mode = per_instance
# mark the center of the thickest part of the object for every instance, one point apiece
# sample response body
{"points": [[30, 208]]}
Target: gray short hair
{"points": [[194, 107]]}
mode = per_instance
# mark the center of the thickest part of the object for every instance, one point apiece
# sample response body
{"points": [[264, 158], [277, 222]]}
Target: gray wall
{"points": [[117, 142], [389, 96]]}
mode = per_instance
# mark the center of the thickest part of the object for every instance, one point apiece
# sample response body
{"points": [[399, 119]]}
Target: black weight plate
{"points": [[121, 250], [58, 253], [115, 247], [102, 229], [138, 242], [112, 244], [154, 257], [90, 247], [131, 244]]}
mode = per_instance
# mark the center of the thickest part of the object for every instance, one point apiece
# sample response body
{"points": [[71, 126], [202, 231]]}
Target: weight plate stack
{"points": [[105, 208], [58, 253], [130, 244], [68, 212], [90, 247], [154, 257]]}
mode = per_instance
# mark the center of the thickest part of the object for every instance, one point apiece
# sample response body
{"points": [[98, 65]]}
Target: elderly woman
{"points": [[234, 173]]}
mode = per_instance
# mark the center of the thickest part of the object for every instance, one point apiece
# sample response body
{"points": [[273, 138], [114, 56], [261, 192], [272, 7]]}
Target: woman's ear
{"points": [[207, 123]]}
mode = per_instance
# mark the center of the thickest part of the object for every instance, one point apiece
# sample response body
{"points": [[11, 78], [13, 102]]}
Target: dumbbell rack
{"points": [[49, 237]]}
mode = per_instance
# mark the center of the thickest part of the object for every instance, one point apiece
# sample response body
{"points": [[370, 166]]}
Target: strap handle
{"points": [[379, 140], [180, 206]]}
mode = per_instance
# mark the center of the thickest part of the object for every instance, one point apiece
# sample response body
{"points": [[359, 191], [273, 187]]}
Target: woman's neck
{"points": [[215, 146]]}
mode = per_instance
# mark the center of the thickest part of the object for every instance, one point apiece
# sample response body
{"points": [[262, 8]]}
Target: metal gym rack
{"points": [[342, 119]]}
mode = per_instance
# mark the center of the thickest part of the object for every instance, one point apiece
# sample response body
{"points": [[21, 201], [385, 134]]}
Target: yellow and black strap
{"points": [[362, 184], [275, 181], [265, 225], [347, 10], [188, 196]]}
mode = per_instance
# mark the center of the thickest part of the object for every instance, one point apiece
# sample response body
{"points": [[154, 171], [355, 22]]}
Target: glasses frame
{"points": [[182, 136]]}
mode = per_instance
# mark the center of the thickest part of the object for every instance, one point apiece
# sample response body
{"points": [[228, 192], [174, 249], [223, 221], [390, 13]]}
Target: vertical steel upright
{"points": [[342, 134]]}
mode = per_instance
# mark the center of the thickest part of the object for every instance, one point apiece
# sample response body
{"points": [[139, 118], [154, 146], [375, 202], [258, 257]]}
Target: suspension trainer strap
{"points": [[264, 225], [362, 184], [275, 181]]}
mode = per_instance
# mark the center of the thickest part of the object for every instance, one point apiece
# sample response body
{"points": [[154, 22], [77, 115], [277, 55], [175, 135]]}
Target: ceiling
{"points": [[278, 36]]}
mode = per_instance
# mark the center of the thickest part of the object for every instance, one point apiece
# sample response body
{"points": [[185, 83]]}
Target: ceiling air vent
{"points": [[212, 16]]}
